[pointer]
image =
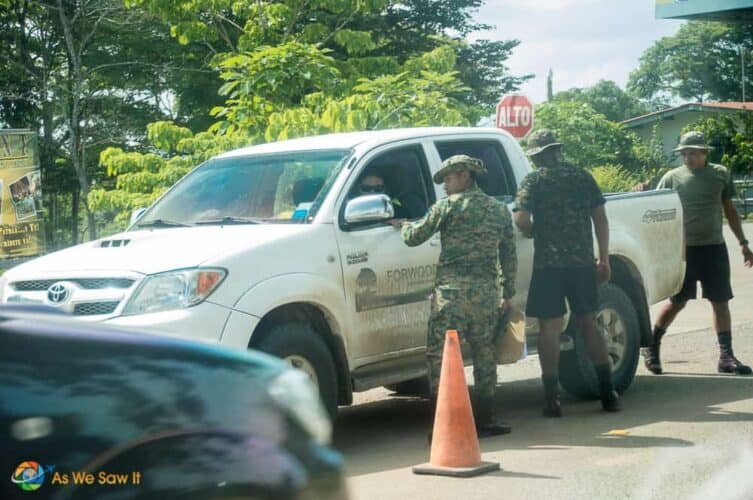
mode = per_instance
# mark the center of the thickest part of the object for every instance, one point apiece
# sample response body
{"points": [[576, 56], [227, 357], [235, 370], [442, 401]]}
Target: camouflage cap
{"points": [[458, 163], [541, 140], [693, 140]]}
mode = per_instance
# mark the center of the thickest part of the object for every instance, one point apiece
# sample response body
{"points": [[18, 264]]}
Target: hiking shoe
{"points": [[611, 401], [493, 427], [651, 360], [553, 408], [728, 363]]}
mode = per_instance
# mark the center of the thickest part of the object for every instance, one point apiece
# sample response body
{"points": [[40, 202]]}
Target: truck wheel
{"points": [[413, 387], [303, 348], [618, 322]]}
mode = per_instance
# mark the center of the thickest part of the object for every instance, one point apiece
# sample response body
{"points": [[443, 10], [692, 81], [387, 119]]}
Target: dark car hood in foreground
{"points": [[187, 416]]}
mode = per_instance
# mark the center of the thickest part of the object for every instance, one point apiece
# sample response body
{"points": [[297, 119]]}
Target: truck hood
{"points": [[156, 250]]}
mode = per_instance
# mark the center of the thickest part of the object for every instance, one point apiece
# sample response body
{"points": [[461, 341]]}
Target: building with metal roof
{"points": [[668, 123]]}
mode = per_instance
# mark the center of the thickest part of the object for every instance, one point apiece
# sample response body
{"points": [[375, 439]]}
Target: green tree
{"points": [[425, 91], [731, 137], [614, 179], [700, 63], [86, 75], [590, 139], [366, 38], [607, 98]]}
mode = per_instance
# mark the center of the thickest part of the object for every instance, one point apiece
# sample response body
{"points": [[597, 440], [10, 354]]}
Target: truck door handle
{"points": [[435, 241]]}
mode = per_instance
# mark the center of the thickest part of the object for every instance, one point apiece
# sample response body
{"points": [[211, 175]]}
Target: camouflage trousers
{"points": [[472, 311]]}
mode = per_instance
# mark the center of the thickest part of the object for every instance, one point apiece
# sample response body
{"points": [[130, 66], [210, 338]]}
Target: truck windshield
{"points": [[274, 188]]}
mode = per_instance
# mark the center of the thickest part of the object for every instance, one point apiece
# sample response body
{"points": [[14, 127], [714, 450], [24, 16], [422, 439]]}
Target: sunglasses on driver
{"points": [[371, 188]]}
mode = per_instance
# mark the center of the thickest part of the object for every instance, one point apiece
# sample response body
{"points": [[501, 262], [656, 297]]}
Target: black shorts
{"points": [[550, 287], [708, 264]]}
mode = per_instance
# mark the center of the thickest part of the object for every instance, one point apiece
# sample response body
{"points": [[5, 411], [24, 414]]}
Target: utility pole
{"points": [[742, 67], [550, 86]]}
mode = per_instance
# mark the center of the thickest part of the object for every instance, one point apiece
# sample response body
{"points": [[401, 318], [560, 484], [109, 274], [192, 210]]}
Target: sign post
{"points": [[515, 115]]}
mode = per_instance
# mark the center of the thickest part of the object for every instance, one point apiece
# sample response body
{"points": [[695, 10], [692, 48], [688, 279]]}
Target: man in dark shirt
{"points": [[556, 204]]}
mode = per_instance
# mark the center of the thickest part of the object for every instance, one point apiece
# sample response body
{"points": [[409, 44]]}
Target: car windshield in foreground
{"points": [[272, 188]]}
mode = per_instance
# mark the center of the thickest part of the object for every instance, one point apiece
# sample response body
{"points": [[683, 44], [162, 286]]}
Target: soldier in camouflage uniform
{"points": [[555, 205], [475, 277]]}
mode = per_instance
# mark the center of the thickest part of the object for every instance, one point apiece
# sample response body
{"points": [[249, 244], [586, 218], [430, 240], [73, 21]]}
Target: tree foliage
{"points": [[614, 178], [731, 136], [84, 75], [591, 140], [607, 98], [700, 63]]}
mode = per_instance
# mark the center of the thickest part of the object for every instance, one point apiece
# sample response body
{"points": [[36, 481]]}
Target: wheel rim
{"points": [[305, 366], [612, 327]]}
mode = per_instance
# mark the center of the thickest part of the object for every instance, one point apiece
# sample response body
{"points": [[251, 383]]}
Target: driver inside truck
{"points": [[407, 205]]}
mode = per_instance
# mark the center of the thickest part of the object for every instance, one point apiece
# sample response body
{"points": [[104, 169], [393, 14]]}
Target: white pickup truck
{"points": [[273, 247]]}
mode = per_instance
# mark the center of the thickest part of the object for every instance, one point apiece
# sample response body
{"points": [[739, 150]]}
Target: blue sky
{"points": [[582, 41]]}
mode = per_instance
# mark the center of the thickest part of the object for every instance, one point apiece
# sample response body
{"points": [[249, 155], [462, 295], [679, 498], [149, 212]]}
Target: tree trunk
{"points": [[77, 143], [53, 218], [74, 217]]}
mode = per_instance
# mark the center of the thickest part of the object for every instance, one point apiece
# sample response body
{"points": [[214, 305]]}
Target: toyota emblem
{"points": [[57, 293]]}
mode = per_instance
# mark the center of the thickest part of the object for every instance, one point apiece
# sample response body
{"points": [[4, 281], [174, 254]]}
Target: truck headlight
{"points": [[294, 391], [174, 290]]}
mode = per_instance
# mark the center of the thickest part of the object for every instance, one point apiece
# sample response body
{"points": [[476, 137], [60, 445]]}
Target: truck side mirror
{"points": [[369, 208], [136, 215]]}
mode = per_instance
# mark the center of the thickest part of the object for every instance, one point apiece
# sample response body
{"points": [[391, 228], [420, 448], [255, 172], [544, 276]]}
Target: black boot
{"points": [[728, 363], [651, 354], [610, 400], [552, 406], [488, 423]]}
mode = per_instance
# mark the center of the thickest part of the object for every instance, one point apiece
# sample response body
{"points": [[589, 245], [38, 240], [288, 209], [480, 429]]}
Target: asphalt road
{"points": [[685, 434]]}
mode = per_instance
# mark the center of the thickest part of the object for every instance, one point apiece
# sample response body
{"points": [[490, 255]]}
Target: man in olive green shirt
{"points": [[706, 191]]}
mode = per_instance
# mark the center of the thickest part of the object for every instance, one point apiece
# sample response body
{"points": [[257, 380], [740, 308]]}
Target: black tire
{"points": [[300, 339], [577, 374], [413, 387]]}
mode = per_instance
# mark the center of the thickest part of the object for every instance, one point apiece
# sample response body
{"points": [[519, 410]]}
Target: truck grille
{"points": [[94, 308], [87, 283], [114, 243]]}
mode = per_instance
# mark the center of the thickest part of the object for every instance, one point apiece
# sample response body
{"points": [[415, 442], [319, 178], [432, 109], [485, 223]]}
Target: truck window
{"points": [[499, 181], [275, 188], [405, 176]]}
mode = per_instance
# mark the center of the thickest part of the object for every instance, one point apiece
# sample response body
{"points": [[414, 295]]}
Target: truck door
{"points": [[500, 183], [387, 283]]}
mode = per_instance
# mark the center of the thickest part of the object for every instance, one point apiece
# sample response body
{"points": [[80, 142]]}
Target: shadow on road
{"points": [[391, 433]]}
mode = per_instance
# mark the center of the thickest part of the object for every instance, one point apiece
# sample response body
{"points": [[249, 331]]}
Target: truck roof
{"points": [[350, 140]]}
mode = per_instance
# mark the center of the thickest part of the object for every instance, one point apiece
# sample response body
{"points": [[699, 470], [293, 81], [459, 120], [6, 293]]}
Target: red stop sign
{"points": [[515, 115]]}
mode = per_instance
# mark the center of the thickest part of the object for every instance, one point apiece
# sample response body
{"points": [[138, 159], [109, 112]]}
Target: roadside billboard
{"points": [[21, 233]]}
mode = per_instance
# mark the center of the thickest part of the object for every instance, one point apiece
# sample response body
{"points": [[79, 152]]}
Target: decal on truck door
{"points": [[357, 257], [397, 287], [655, 216]]}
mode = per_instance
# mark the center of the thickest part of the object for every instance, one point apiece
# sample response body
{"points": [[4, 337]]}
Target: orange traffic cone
{"points": [[454, 447]]}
